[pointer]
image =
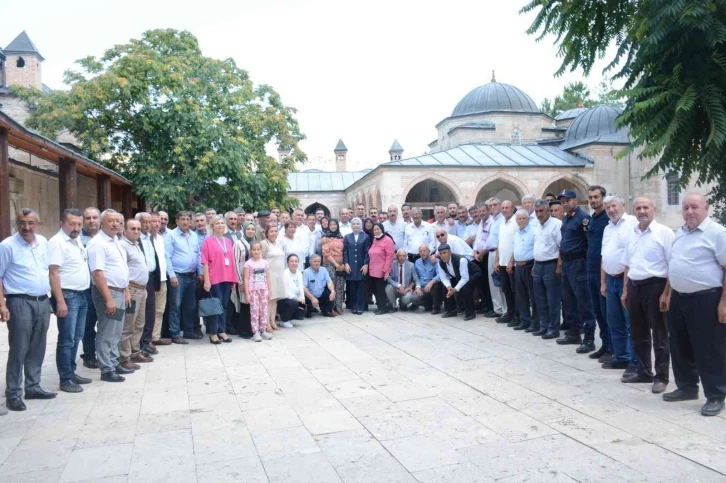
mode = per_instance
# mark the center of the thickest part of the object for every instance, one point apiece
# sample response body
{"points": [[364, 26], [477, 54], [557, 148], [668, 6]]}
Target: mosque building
{"points": [[497, 142]]}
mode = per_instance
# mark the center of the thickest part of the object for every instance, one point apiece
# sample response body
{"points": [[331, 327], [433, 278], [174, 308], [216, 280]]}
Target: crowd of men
{"points": [[547, 268]]}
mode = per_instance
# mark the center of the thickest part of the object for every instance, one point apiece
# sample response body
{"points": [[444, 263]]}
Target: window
{"points": [[674, 191], [20, 63], [516, 136]]}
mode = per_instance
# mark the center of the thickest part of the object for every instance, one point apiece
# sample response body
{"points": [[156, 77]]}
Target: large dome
{"points": [[595, 125], [494, 97]]}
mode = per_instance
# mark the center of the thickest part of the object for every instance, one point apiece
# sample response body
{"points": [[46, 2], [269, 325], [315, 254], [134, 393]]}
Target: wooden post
{"points": [[127, 208], [103, 183], [67, 184], [5, 220]]}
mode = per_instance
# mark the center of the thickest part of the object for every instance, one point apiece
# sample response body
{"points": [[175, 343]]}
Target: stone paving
{"points": [[394, 399]]}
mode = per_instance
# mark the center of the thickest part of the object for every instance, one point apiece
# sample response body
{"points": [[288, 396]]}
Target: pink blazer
{"points": [[381, 257]]}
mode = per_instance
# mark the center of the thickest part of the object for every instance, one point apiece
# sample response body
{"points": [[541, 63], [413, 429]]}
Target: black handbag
{"points": [[209, 307]]}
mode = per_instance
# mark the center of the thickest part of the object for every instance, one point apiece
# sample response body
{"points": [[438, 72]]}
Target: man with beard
{"points": [[598, 221], [164, 217], [91, 225], [406, 213]]}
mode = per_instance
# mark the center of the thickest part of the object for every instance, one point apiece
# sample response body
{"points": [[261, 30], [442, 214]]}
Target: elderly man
{"points": [[646, 294], [25, 307], [557, 210], [344, 222], [130, 344], [396, 228], [505, 249], [429, 290], [233, 232], [462, 222], [69, 282], [457, 245], [493, 226], [697, 315], [160, 297], [595, 230], [402, 281], [417, 232], [458, 276], [528, 205], [576, 296], [482, 293], [547, 270], [615, 238], [146, 244], [521, 264], [263, 218], [111, 296], [164, 218], [184, 268], [406, 213], [91, 225], [318, 288], [441, 220]]}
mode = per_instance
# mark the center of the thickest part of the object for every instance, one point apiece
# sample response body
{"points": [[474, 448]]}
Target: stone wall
{"points": [[333, 200], [29, 76]]}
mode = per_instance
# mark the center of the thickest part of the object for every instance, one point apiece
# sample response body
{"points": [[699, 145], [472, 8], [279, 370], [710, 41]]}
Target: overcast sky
{"points": [[367, 72]]}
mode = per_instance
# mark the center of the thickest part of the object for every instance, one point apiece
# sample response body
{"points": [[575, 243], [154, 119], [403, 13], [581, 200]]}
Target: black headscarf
{"points": [[333, 234], [380, 225], [366, 230]]}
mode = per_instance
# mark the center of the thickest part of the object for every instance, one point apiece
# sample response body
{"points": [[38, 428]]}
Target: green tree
{"points": [[174, 122], [607, 95], [573, 95], [671, 55]]}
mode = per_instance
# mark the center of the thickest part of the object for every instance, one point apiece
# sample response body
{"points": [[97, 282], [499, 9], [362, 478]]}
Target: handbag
{"points": [[209, 307]]}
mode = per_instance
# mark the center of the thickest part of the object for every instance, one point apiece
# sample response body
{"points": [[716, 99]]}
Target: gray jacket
{"points": [[409, 274]]}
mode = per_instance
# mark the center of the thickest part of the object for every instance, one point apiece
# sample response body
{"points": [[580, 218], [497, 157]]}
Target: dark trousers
{"points": [[70, 333], [431, 300], [239, 322], [548, 294], [379, 286], [326, 305], [698, 343], [508, 285], [646, 319], [464, 297], [576, 299], [217, 324], [149, 313], [89, 332], [290, 309], [357, 295], [413, 257], [599, 306], [27, 332], [482, 292], [183, 305], [525, 296]]}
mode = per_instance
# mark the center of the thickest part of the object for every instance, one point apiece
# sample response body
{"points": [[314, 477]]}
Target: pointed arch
{"points": [[513, 185], [313, 207], [436, 178], [564, 181]]}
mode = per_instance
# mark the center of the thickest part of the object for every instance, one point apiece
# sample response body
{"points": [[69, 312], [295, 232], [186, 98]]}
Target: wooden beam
{"points": [[103, 183], [67, 184], [127, 208], [5, 220]]}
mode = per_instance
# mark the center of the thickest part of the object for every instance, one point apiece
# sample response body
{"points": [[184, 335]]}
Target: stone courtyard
{"points": [[400, 398]]}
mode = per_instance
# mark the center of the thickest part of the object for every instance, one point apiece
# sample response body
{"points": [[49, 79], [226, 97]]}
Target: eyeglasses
{"points": [[442, 235], [29, 224]]}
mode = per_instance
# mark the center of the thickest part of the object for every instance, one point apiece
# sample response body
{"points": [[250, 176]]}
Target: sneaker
{"points": [[266, 336], [256, 337], [286, 324]]}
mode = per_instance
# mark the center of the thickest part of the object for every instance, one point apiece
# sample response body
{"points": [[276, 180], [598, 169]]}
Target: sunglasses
{"points": [[440, 236]]}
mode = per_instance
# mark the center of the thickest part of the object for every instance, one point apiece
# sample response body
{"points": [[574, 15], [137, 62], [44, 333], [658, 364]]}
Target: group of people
{"points": [[124, 288]]}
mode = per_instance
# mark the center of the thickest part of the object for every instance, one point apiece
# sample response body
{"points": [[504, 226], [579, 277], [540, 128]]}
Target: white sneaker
{"points": [[286, 324], [266, 336], [256, 337]]}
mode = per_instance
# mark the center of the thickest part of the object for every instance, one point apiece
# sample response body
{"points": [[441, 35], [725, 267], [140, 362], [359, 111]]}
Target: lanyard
{"points": [[222, 245]]}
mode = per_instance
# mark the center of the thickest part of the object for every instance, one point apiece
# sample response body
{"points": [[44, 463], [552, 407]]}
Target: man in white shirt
{"points": [[492, 228], [418, 232], [69, 280], [615, 239], [646, 294], [161, 292], [110, 293], [396, 228], [457, 245], [406, 213], [146, 243], [505, 249], [697, 315], [344, 223], [441, 221], [547, 270]]}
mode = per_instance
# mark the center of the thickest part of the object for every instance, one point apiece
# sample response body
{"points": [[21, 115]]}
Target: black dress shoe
{"points": [[91, 363], [470, 317], [585, 347], [193, 336], [15, 404], [679, 395], [504, 319], [112, 377], [631, 370], [436, 312], [492, 315], [393, 310], [122, 370], [598, 353], [380, 312], [659, 387], [637, 379], [70, 386], [513, 323], [39, 394], [531, 329], [81, 380], [198, 333], [308, 315], [551, 335], [712, 407], [615, 365], [448, 315], [569, 339], [539, 333], [607, 357], [521, 327]]}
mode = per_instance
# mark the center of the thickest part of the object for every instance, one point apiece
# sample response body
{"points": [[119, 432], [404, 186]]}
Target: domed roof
{"points": [[595, 125], [493, 97], [570, 113]]}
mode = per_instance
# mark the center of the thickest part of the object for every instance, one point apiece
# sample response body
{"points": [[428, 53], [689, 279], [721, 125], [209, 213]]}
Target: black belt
{"points": [[526, 263], [116, 289], [492, 250], [73, 291], [620, 275], [543, 262], [568, 257], [700, 292], [647, 281], [186, 273], [34, 298]]}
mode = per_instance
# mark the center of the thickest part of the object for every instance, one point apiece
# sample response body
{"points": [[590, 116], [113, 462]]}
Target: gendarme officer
{"points": [[575, 295]]}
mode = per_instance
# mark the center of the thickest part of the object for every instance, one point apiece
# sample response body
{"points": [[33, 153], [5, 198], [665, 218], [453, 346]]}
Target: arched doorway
{"points": [[559, 185], [311, 209], [425, 194], [501, 189]]}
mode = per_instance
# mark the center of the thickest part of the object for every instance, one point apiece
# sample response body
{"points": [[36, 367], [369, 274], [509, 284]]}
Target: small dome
{"points": [[596, 125], [493, 97], [570, 114]]}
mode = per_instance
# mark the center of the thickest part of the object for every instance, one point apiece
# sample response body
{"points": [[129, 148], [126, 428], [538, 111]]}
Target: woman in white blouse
{"points": [[292, 245], [292, 306]]}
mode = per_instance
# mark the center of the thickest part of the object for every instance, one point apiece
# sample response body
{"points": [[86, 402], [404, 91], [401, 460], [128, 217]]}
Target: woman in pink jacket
{"points": [[380, 256]]}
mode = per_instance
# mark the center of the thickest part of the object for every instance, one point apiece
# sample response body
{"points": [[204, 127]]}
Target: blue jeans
{"points": [[619, 323], [599, 306], [218, 323], [182, 305], [89, 334], [71, 329], [548, 294]]}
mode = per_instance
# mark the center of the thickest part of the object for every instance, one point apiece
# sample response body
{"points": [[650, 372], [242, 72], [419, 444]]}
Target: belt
{"points": [[647, 281], [73, 291], [525, 263], [116, 289], [620, 275], [567, 257], [35, 298], [137, 285], [542, 262], [188, 274], [492, 250], [700, 292]]}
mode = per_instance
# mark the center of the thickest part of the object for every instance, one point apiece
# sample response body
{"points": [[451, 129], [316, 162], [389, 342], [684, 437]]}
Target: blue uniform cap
{"points": [[569, 194]]}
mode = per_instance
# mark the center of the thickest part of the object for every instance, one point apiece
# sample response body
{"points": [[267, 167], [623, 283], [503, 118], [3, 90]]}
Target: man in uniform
{"points": [[575, 295], [598, 221], [697, 315]]}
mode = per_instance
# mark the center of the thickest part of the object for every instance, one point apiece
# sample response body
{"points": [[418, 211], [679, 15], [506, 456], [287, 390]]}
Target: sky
{"points": [[366, 72]]}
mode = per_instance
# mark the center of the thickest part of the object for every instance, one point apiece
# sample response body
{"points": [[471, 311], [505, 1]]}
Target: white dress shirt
{"points": [[547, 239], [294, 284], [397, 230], [435, 225], [417, 236], [105, 254], [160, 254], [507, 230], [614, 241], [482, 233], [697, 258], [148, 245], [458, 246], [71, 257], [463, 273], [648, 252], [298, 246], [345, 228]]}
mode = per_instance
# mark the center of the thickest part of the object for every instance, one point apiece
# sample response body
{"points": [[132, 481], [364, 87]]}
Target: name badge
{"points": [[226, 262]]}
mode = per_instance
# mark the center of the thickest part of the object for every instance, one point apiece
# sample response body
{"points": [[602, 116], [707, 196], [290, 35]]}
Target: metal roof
{"points": [[485, 155], [315, 180], [570, 113], [22, 45], [340, 146], [494, 97], [395, 147], [596, 125]]}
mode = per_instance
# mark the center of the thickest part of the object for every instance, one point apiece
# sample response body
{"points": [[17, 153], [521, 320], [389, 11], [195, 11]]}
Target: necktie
{"points": [[400, 274]]}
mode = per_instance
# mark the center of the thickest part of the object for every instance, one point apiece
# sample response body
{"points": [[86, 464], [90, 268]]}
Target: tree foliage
{"points": [[174, 122], [671, 55], [576, 94]]}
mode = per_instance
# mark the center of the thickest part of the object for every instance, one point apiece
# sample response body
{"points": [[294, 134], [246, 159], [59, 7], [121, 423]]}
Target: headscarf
{"points": [[244, 231], [367, 231], [383, 232], [333, 234], [321, 223], [352, 222]]}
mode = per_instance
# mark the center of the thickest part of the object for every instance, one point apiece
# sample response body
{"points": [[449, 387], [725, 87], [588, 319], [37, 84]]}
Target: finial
{"points": [[494, 78], [580, 104]]}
